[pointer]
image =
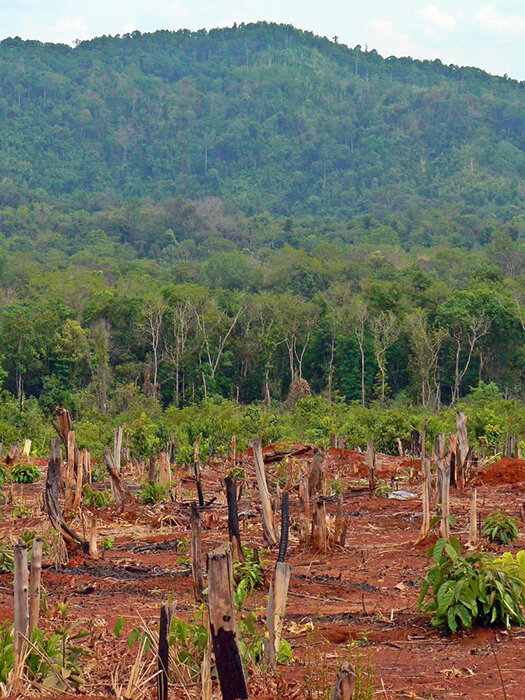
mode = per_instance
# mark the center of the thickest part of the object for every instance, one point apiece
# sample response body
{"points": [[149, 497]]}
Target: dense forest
{"points": [[256, 213]]}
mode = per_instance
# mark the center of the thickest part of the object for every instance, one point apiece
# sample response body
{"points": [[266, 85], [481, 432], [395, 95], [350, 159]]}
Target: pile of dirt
{"points": [[506, 471]]}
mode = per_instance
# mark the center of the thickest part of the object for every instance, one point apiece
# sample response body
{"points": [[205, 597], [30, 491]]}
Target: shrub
{"points": [[7, 561], [152, 493], [100, 499], [477, 588], [4, 475], [500, 528], [25, 473]]}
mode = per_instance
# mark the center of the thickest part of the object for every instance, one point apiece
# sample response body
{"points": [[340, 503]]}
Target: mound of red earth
{"points": [[506, 471]]}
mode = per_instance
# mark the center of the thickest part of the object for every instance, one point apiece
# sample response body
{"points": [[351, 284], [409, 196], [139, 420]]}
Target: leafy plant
{"points": [[20, 511], [248, 575], [477, 588], [500, 527], [152, 493], [4, 475], [336, 487], [236, 473], [51, 662], [100, 499], [99, 473], [25, 473], [108, 542], [7, 561]]}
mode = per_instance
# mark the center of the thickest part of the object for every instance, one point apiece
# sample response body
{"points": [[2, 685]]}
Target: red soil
{"points": [[506, 471], [367, 590]]}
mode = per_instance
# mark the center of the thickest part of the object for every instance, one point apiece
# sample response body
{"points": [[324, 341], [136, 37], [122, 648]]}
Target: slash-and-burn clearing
{"points": [[353, 588]]}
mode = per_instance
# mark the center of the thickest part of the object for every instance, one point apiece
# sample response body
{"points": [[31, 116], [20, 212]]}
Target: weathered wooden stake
{"points": [[473, 527], [371, 466], [197, 469], [234, 450], [341, 524], [196, 553], [86, 462], [319, 530], [51, 496], [21, 627], [445, 500], [268, 525], [462, 452], [152, 469], [425, 497], [269, 648], [164, 469], [233, 519], [117, 447], [79, 476], [36, 575], [345, 683], [282, 582], [163, 655], [223, 627], [93, 537], [315, 475], [70, 480], [117, 488], [27, 448]]}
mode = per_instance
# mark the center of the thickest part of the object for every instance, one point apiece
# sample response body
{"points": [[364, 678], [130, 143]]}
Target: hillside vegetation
{"points": [[253, 213]]}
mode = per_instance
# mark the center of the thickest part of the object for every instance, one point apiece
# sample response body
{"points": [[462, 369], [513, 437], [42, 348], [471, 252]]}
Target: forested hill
{"points": [[265, 117]]}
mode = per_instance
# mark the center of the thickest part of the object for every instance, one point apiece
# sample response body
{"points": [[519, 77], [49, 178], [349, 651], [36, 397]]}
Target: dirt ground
{"points": [[365, 592]]}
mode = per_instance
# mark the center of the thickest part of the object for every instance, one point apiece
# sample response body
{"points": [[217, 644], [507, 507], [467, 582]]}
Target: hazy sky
{"points": [[489, 34]]}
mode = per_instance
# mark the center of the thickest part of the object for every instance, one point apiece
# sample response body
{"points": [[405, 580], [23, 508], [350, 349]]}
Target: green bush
{"points": [[478, 588], [152, 493], [100, 499], [500, 528], [4, 475], [25, 473]]}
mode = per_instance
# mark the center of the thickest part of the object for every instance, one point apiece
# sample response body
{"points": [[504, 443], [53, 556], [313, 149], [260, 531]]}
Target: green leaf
{"points": [[118, 626]]}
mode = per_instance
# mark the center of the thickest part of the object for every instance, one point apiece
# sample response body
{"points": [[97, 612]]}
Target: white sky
{"points": [[489, 34]]}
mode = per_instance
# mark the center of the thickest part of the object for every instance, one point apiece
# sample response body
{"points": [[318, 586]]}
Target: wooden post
{"points": [[315, 475], [163, 655], [425, 497], [70, 481], [27, 448], [152, 469], [234, 450], [371, 466], [341, 443], [86, 462], [473, 528], [117, 447], [268, 525], [445, 500], [196, 553], [233, 519], [269, 648], [341, 524], [304, 510], [319, 531], [333, 440], [400, 450], [462, 452], [79, 475], [36, 575], [21, 627], [62, 425], [117, 488], [93, 537], [197, 469], [285, 526], [345, 683], [282, 583], [164, 469], [223, 627], [51, 497]]}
